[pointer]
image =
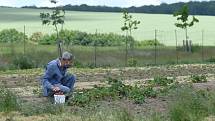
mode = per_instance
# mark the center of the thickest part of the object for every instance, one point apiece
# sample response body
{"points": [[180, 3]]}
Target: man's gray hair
{"points": [[67, 56]]}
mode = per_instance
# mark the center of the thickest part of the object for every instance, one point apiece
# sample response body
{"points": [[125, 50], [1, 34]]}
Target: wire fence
{"points": [[199, 48]]}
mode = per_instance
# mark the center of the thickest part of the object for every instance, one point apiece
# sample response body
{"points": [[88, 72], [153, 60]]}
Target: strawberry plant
{"points": [[115, 90], [160, 81], [198, 78]]}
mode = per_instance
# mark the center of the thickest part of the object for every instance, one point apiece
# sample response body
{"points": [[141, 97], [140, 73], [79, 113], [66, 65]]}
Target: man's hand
{"points": [[55, 89]]}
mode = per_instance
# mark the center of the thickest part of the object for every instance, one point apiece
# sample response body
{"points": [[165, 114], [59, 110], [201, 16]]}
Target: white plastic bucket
{"points": [[59, 99]]}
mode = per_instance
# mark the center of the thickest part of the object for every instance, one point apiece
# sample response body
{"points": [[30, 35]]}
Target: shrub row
{"points": [[71, 37]]}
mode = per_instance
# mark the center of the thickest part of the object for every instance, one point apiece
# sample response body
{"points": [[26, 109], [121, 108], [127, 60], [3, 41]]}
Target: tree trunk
{"points": [[59, 43], [131, 45]]}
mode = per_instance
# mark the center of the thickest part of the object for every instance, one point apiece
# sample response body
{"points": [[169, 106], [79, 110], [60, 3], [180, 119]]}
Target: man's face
{"points": [[66, 63]]}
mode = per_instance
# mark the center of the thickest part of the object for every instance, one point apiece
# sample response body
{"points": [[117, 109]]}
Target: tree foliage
{"points": [[129, 24], [183, 18], [182, 15], [57, 17]]}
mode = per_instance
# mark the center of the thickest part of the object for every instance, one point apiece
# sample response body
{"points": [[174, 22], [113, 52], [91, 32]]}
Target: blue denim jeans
{"points": [[66, 85]]}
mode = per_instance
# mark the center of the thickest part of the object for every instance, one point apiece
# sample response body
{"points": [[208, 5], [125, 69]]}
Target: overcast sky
{"points": [[120, 3]]}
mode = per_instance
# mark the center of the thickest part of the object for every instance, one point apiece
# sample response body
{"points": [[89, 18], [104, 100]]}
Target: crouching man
{"points": [[56, 79]]}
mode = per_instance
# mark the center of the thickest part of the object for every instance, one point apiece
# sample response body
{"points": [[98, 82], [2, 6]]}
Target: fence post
{"points": [[202, 46], [190, 46], [184, 46], [95, 50], [24, 40], [126, 50], [176, 46], [155, 47], [25, 77], [187, 46]]}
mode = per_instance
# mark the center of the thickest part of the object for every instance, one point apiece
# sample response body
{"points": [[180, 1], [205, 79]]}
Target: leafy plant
{"points": [[37, 91], [198, 78], [11, 36], [132, 62], [161, 81], [138, 94], [115, 90]]}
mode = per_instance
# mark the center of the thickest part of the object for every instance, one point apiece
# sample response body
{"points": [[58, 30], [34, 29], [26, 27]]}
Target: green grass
{"points": [[191, 105], [110, 22], [30, 109], [5, 48], [8, 101]]}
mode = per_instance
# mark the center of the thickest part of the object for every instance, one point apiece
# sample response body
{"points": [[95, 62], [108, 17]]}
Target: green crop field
{"points": [[111, 22]]}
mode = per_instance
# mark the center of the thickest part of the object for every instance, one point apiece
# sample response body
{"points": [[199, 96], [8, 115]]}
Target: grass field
{"points": [[111, 22]]}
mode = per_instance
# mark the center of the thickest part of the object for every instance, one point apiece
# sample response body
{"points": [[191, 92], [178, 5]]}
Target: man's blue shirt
{"points": [[54, 73]]}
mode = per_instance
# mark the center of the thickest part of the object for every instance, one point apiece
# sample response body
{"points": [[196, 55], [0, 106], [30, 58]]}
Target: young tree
{"points": [[55, 18], [183, 15], [128, 27]]}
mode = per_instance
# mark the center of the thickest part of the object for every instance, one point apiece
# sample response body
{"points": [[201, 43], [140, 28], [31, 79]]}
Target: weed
{"points": [[8, 101]]}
